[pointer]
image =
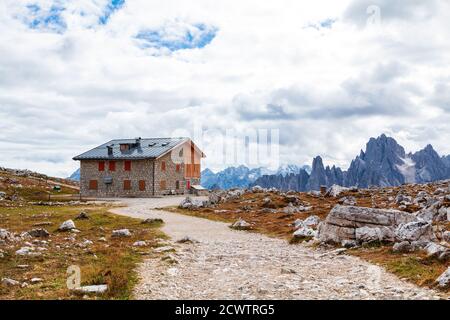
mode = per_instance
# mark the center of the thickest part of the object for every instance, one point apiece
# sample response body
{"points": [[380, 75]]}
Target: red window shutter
{"points": [[127, 185], [162, 185], [127, 165], [163, 166], [189, 170], [112, 166], [188, 184], [93, 185], [178, 168], [101, 166], [142, 185]]}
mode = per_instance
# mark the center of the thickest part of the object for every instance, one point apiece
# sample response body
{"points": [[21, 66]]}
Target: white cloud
{"points": [[326, 86]]}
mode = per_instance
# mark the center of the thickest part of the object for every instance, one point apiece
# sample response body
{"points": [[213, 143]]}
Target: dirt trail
{"points": [[228, 264]]}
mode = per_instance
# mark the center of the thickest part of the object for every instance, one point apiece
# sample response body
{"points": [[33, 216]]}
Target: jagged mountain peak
{"points": [[383, 163]]}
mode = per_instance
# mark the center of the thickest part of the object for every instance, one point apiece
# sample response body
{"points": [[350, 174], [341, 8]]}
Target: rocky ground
{"points": [[405, 229], [208, 260]]}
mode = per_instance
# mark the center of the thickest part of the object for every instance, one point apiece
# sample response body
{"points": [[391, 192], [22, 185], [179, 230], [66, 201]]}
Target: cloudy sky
{"points": [[327, 74]]}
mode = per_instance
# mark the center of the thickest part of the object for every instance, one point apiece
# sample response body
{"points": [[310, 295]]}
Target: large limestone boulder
{"points": [[343, 221]]}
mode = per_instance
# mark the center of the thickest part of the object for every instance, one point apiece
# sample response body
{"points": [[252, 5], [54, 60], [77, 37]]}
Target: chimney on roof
{"points": [[138, 141], [110, 150]]}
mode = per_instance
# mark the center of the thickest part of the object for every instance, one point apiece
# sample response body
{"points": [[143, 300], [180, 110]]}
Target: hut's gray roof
{"points": [[147, 149]]}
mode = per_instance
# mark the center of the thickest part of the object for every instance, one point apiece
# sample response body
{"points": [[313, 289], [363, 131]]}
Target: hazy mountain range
{"points": [[242, 176]]}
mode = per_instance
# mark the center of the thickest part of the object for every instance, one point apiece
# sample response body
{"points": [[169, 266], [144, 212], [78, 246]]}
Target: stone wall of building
{"points": [[140, 170], [170, 176]]}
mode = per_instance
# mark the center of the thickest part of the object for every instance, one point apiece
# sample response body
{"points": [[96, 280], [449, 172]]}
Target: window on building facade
{"points": [[163, 166], [127, 185], [178, 167], [142, 185], [93, 185], [127, 165], [101, 166], [162, 185], [112, 166], [177, 185]]}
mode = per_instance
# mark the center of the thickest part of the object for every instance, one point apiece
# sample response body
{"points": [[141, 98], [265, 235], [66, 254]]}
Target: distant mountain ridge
{"points": [[242, 176], [75, 176], [384, 163]]}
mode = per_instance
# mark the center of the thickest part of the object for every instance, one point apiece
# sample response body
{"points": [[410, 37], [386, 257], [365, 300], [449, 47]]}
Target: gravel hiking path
{"points": [[228, 264]]}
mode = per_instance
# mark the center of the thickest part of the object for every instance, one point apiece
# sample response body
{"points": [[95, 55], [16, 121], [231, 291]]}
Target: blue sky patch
{"points": [[179, 38], [46, 20], [327, 23], [324, 24], [112, 7]]}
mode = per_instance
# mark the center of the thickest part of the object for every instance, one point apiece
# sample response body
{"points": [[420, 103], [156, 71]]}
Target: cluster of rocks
{"points": [[352, 226], [191, 204], [291, 208], [306, 228]]}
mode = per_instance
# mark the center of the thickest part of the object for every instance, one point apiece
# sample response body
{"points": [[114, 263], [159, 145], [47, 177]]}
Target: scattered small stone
{"points": [[140, 244], [288, 271], [27, 251], [102, 288], [434, 249], [10, 282], [241, 225], [6, 235], [67, 226], [187, 239], [349, 244], [152, 221], [122, 233], [305, 232], [43, 224], [36, 280], [39, 233], [444, 279], [311, 221], [82, 216], [403, 247], [444, 256], [164, 249], [85, 244]]}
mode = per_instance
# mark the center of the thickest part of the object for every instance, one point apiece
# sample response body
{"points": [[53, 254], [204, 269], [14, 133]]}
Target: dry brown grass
{"points": [[34, 188], [110, 262]]}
